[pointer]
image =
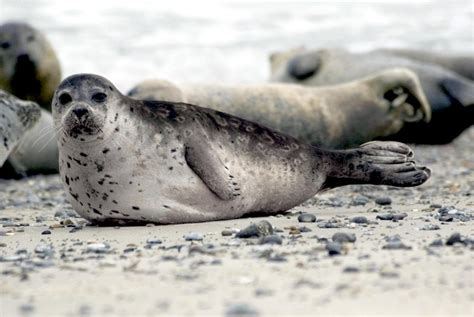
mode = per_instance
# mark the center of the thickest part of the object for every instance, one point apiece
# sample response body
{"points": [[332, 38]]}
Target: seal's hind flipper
{"points": [[378, 163], [204, 161]]}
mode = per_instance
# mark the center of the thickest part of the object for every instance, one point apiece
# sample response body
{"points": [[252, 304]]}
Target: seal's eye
{"points": [[99, 97], [5, 45], [65, 98]]}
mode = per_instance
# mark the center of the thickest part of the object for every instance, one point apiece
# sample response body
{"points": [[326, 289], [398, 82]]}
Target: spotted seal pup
{"points": [[16, 118], [338, 116], [129, 160], [29, 68], [451, 95]]}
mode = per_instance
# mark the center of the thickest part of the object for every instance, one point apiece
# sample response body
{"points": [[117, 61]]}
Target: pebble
{"points": [[430, 227], [98, 248], [306, 217], [227, 232], [436, 243], [193, 236], [395, 243], [334, 248], [271, 239], [44, 249], [241, 310], [342, 237], [383, 201], [46, 232], [454, 238], [260, 229], [360, 200], [351, 269], [391, 216], [153, 241], [360, 219]]}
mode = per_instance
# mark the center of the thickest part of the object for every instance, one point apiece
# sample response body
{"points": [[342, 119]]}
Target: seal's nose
{"points": [[80, 112], [23, 59]]}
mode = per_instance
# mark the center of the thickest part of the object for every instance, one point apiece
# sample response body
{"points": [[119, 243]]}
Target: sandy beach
{"points": [[407, 257]]}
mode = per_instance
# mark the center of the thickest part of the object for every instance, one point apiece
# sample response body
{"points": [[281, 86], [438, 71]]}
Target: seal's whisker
{"points": [[50, 139], [47, 131]]}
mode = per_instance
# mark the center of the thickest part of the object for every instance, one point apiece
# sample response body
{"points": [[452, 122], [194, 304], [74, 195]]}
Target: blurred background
{"points": [[229, 41]]}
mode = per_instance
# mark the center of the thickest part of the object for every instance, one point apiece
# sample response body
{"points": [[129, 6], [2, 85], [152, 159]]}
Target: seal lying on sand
{"points": [[129, 160], [334, 117], [451, 96], [29, 68], [462, 64], [16, 118]]}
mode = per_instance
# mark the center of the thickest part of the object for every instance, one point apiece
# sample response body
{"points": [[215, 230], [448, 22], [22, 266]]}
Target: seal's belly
{"points": [[166, 190]]}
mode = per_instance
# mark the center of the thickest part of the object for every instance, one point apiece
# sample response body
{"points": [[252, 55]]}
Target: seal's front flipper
{"points": [[461, 90], [204, 161], [378, 163]]}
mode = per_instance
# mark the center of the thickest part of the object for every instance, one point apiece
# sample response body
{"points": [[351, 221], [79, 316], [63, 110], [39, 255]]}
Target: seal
{"points": [[451, 96], [29, 68], [16, 118], [462, 64], [337, 116], [130, 160]]}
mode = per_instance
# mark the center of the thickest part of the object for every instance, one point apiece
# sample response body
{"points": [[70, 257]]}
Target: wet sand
{"points": [[53, 263]]}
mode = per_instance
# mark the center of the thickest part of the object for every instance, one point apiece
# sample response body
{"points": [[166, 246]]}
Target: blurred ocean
{"points": [[199, 41]]}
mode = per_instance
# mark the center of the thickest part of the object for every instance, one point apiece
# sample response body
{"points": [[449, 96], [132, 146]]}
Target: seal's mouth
{"points": [[24, 83]]}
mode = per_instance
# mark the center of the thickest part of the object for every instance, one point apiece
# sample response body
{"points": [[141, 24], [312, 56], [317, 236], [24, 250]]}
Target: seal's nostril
{"points": [[79, 112]]}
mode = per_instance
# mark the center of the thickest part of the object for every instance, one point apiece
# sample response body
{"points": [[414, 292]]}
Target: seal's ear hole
{"points": [[65, 98], [99, 97], [30, 38], [5, 45]]}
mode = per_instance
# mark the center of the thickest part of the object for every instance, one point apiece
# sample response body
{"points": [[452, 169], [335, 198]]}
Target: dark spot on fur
{"points": [[96, 211], [135, 208], [105, 150]]}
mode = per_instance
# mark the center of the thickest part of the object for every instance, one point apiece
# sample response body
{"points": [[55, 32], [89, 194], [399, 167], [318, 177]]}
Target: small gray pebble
{"points": [[271, 239], [260, 229], [342, 237], [241, 310], [306, 217], [383, 201], [227, 232], [436, 243], [334, 248], [360, 219], [454, 238], [46, 232], [193, 236]]}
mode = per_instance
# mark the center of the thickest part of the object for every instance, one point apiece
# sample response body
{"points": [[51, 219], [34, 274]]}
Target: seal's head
{"points": [[80, 106], [29, 68]]}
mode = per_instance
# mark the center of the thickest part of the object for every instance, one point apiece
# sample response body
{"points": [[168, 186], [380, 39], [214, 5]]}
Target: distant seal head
{"points": [[451, 95], [16, 118], [29, 68], [130, 160], [338, 116]]}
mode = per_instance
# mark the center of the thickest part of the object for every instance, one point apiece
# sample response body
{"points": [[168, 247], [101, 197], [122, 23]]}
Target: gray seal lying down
{"points": [[451, 95], [129, 160], [338, 116]]}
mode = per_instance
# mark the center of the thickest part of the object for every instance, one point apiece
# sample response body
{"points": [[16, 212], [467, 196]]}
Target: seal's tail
{"points": [[378, 163]]}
